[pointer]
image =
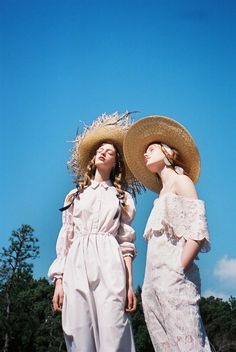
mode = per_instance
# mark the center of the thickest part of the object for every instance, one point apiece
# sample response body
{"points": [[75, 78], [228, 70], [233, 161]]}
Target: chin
{"points": [[99, 163], [151, 167], [103, 167]]}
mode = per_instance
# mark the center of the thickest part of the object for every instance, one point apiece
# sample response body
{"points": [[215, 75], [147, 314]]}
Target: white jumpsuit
{"points": [[170, 296], [94, 237]]}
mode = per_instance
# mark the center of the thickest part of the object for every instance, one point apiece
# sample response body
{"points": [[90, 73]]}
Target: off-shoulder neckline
{"points": [[177, 196]]}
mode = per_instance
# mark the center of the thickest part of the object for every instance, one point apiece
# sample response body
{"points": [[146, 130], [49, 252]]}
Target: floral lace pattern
{"points": [[171, 311], [170, 295], [178, 217]]}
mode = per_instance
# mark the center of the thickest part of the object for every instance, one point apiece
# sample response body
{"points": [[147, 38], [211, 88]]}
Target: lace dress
{"points": [[170, 296]]}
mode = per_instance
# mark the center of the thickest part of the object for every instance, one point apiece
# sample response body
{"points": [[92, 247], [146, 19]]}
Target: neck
{"points": [[101, 175], [166, 174]]}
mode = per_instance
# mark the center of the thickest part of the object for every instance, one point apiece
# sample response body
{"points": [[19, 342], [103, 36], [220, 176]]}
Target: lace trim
{"points": [[178, 217]]}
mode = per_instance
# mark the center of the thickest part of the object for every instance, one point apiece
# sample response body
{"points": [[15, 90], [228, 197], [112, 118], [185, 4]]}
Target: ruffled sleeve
{"points": [[126, 234], [64, 241], [180, 217]]}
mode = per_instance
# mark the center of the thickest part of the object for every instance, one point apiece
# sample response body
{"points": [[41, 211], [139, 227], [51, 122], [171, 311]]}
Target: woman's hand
{"points": [[131, 303], [131, 300], [58, 296]]}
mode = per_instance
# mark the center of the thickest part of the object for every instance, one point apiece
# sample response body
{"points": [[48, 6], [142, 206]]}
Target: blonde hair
{"points": [[174, 158]]}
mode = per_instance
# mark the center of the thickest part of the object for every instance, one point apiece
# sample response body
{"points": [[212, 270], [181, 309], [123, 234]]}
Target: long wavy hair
{"points": [[117, 177]]}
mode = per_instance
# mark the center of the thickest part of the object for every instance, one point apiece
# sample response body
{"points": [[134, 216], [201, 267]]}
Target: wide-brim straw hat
{"points": [[164, 130], [106, 128]]}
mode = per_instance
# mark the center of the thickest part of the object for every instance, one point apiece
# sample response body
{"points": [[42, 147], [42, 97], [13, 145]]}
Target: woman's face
{"points": [[105, 157], [153, 157]]}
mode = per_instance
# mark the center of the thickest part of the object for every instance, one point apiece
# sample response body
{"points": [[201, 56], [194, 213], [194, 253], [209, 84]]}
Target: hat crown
{"points": [[105, 128], [164, 130]]}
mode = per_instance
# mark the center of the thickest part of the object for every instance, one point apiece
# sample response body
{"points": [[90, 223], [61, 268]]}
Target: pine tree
{"points": [[15, 270], [141, 335]]}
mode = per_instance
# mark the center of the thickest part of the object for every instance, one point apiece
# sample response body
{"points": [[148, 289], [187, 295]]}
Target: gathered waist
{"points": [[84, 234]]}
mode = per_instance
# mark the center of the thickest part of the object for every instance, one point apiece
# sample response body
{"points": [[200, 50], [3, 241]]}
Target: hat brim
{"points": [[92, 141], [165, 130]]}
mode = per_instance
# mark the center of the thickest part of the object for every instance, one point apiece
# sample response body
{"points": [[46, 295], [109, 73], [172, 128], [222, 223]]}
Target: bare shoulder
{"points": [[184, 186]]}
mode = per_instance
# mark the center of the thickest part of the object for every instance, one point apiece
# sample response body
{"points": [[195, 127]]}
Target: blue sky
{"points": [[67, 61]]}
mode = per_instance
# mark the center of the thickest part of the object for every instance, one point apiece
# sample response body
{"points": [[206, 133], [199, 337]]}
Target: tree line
{"points": [[28, 323]]}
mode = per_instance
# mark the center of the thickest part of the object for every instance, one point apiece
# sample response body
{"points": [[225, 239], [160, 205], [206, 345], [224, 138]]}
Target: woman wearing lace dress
{"points": [[166, 160], [95, 247]]}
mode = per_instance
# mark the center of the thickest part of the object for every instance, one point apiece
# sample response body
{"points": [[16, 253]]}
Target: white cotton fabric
{"points": [[91, 244], [170, 296]]}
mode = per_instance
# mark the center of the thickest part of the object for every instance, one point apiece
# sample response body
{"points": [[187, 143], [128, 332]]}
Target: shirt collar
{"points": [[104, 184]]}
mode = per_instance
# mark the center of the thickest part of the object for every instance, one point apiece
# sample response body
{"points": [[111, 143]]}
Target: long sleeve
{"points": [[126, 234], [64, 241]]}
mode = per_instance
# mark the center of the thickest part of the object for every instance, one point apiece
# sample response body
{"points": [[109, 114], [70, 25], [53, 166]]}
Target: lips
{"points": [[101, 158]]}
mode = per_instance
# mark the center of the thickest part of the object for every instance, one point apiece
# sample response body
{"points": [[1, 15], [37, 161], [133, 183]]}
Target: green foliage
{"points": [[141, 336], [219, 318], [15, 272], [14, 260], [48, 336], [28, 324], [34, 327]]}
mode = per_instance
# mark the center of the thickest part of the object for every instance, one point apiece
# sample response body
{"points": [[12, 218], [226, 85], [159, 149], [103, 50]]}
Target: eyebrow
{"points": [[109, 149]]}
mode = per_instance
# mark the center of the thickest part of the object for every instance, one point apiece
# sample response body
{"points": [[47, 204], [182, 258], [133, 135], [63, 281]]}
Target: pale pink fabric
{"points": [[92, 242], [87, 216], [170, 296]]}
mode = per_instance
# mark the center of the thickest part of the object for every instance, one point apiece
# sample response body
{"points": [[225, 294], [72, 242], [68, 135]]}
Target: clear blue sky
{"points": [[66, 61]]}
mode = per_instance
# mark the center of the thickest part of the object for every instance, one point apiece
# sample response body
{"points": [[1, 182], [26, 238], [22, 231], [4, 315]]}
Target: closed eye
{"points": [[99, 150]]}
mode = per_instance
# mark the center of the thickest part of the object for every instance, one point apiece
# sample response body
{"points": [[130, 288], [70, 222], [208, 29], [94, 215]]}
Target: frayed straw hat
{"points": [[106, 128], [160, 129]]}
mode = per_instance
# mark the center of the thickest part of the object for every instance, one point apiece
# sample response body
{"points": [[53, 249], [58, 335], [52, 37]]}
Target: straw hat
{"points": [[160, 129], [106, 128]]}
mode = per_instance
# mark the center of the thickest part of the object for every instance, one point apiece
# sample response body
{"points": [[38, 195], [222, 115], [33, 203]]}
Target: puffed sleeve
{"points": [[126, 234], [64, 240]]}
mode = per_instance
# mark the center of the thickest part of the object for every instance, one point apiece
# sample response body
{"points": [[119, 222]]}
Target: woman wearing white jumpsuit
{"points": [[94, 250], [167, 161]]}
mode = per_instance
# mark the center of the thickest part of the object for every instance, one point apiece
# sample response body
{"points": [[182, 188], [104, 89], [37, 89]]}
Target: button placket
{"points": [[97, 209]]}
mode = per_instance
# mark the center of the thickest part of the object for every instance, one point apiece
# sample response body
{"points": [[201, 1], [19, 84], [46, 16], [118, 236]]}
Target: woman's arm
{"points": [[190, 252], [64, 241], [131, 303], [185, 187], [58, 296]]}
